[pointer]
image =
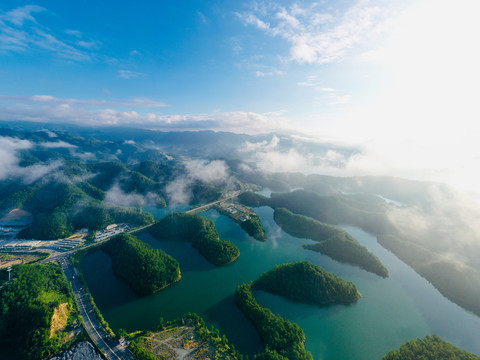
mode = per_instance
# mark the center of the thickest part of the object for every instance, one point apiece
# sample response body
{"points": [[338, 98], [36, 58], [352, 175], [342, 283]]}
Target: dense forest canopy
{"points": [[145, 269], [27, 305], [254, 228], [429, 348], [278, 334], [201, 232], [304, 281]]}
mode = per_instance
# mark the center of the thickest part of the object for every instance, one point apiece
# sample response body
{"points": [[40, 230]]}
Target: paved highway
{"points": [[110, 348]]}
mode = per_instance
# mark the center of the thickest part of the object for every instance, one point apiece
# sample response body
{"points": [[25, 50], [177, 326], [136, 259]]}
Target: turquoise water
{"points": [[391, 311]]}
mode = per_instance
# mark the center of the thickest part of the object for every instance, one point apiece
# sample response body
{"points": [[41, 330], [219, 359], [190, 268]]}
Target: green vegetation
{"points": [[303, 281], [280, 336], [454, 280], [188, 333], [27, 307], [250, 198], [332, 241], [429, 348], [24, 257], [254, 228], [145, 269], [252, 225], [457, 282], [61, 207], [201, 232]]}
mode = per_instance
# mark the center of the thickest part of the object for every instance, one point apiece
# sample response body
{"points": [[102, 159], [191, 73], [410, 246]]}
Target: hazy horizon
{"points": [[397, 81]]}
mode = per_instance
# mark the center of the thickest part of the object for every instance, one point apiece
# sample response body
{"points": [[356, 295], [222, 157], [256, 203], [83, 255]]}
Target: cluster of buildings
{"points": [[20, 244], [78, 239], [237, 212], [111, 230]]}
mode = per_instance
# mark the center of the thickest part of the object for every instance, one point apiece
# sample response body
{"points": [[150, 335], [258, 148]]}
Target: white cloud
{"points": [[129, 74], [92, 44], [57, 144], [117, 196], [50, 134], [318, 37], [48, 99], [45, 108], [273, 72], [178, 191], [213, 172], [20, 32], [10, 168], [202, 17]]}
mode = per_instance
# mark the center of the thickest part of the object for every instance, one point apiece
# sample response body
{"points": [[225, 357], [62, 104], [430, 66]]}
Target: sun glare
{"points": [[423, 121]]}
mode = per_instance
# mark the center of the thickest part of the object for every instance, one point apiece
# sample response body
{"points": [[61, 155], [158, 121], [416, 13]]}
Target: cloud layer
{"points": [[214, 172], [46, 108], [10, 168]]}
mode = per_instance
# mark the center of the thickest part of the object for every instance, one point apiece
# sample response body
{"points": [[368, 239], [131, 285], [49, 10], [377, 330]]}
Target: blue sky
{"points": [[198, 58], [398, 78]]}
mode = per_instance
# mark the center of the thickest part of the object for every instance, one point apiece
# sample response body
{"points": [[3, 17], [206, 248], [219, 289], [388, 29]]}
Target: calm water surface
{"points": [[391, 311]]}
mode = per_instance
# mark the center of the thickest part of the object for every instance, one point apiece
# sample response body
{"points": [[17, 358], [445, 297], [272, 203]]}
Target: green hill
{"points": [[303, 281], [27, 306], [429, 348], [201, 232], [145, 269]]}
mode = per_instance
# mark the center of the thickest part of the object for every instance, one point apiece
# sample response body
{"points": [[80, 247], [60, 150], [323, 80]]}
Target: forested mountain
{"points": [[68, 181]]}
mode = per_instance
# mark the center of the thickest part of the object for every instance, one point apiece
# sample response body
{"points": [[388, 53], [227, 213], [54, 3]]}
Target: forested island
{"points": [[27, 307], [429, 348], [304, 281], [301, 281], [201, 232], [282, 339], [145, 269], [248, 220], [253, 228], [332, 241], [370, 214]]}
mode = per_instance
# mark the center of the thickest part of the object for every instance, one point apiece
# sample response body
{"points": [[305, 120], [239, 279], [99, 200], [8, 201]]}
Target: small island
{"points": [[281, 338], [300, 281], [429, 348], [331, 241], [145, 269], [201, 232], [248, 220], [304, 281]]}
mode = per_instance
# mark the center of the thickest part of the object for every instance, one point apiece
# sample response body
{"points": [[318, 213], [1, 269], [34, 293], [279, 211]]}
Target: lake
{"points": [[391, 311]]}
